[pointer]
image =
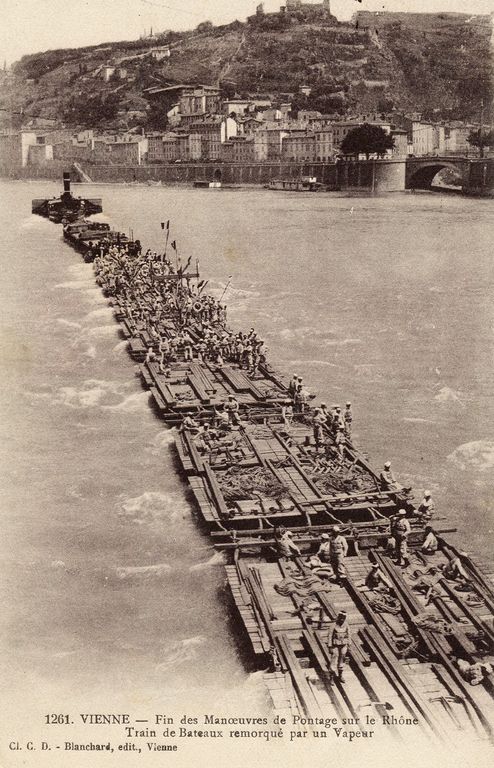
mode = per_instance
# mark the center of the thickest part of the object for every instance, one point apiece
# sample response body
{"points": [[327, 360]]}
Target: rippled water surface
{"points": [[108, 585]]}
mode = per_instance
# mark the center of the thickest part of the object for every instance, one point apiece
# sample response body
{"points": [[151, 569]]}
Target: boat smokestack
{"points": [[66, 182]]}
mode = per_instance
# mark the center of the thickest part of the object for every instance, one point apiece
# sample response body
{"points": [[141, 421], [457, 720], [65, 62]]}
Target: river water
{"points": [[108, 584]]}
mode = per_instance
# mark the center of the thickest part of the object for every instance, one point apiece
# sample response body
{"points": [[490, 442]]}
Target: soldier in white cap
{"points": [[430, 543], [292, 387], [454, 571], [337, 552], [348, 418], [285, 545], [331, 416], [340, 441], [326, 413], [232, 408], [318, 421], [401, 530], [339, 640], [426, 508], [338, 422], [324, 551], [387, 479], [376, 580], [150, 356]]}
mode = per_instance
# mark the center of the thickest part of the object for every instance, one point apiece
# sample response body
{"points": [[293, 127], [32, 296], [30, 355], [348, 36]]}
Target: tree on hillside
{"points": [[205, 26], [368, 140], [481, 140]]}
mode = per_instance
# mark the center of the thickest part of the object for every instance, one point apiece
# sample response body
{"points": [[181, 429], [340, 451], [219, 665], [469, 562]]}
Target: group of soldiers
{"points": [[334, 421], [152, 292], [182, 322], [329, 558], [401, 529], [328, 562]]}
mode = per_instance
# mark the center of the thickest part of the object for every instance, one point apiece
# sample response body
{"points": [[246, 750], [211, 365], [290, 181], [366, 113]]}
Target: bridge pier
{"points": [[480, 180]]}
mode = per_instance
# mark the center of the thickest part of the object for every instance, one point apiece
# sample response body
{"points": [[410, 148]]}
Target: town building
{"points": [[455, 138], [108, 71], [120, 150], [213, 131], [273, 115], [308, 116], [11, 149], [70, 152], [324, 145], [199, 100], [270, 142], [190, 100], [238, 149], [423, 138], [260, 146], [39, 154], [400, 137], [299, 146], [161, 52], [155, 148], [260, 101], [237, 106], [248, 125], [170, 148]]}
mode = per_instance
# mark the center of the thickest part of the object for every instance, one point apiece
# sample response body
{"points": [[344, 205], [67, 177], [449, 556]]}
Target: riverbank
{"points": [[385, 176], [360, 177]]}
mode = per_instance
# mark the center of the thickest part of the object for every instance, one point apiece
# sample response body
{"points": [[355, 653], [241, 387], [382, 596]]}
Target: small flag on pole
{"points": [[174, 245], [167, 225]]}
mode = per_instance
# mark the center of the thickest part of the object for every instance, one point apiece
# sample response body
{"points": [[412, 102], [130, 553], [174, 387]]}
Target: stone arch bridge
{"points": [[474, 173]]}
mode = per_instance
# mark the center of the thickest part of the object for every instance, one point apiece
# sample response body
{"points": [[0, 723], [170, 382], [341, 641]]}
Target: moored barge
{"points": [[304, 184]]}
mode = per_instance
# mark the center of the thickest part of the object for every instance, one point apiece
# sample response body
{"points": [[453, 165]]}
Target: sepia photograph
{"points": [[247, 383]]}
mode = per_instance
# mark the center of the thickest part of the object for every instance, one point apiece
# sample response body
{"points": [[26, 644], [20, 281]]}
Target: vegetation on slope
{"points": [[437, 64]]}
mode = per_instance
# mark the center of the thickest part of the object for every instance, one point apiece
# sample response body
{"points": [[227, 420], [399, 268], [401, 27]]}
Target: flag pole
{"points": [[226, 288], [167, 236]]}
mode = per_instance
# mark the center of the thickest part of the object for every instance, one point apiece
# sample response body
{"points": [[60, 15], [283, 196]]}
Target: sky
{"points": [[29, 26]]}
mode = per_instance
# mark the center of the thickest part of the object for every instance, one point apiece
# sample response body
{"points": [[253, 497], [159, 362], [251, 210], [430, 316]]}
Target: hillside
{"points": [[438, 64]]}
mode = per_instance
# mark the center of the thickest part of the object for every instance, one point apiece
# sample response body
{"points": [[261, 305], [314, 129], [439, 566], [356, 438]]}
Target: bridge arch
{"points": [[421, 175]]}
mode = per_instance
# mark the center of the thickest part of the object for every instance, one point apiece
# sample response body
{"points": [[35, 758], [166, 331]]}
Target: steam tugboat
{"points": [[66, 206]]}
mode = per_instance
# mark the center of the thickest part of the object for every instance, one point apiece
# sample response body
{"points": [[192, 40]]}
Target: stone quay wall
{"points": [[374, 175]]}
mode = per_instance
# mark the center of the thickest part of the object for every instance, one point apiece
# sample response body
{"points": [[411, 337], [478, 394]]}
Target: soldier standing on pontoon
{"points": [[338, 551], [400, 529], [339, 641], [348, 418]]}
